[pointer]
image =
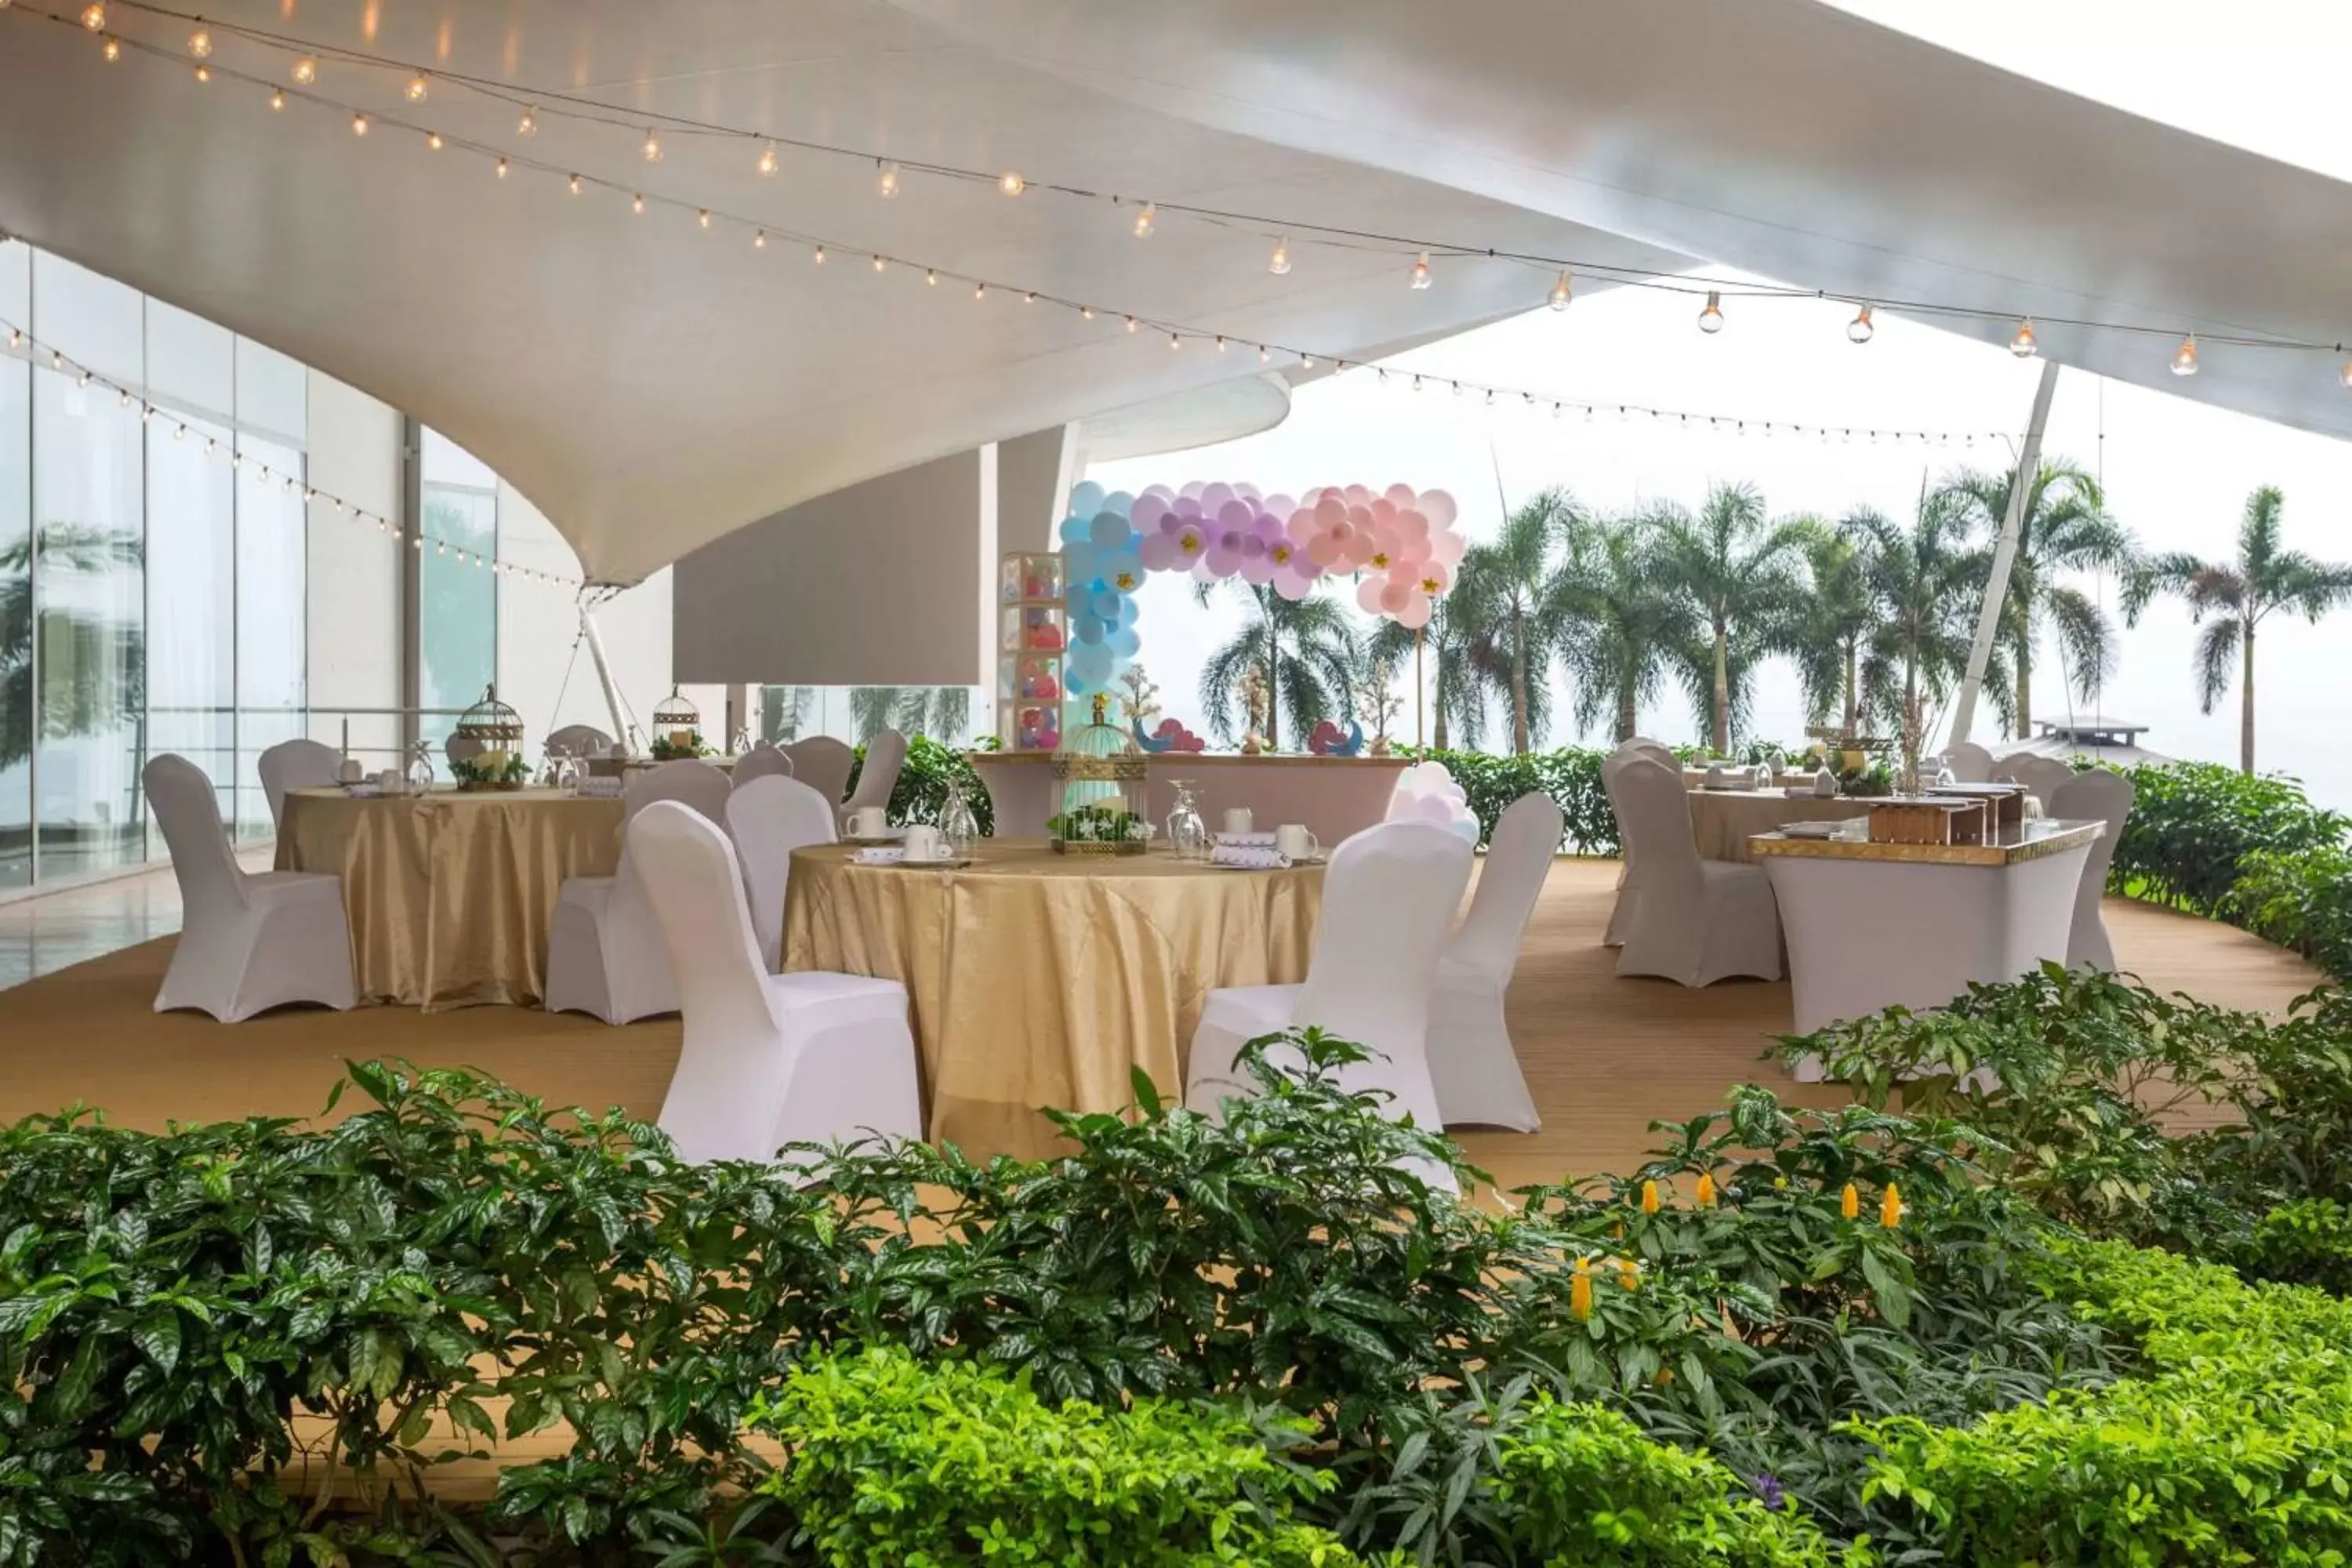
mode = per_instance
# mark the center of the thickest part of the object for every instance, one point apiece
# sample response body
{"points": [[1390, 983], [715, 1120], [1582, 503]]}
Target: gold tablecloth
{"points": [[450, 894], [1043, 980], [1722, 820]]}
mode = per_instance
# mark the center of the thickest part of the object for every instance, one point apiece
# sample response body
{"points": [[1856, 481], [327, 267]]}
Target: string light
{"points": [[277, 98], [653, 146], [529, 123], [1421, 271], [1086, 313], [931, 276], [2184, 358], [574, 183], [1560, 292], [433, 140], [93, 16], [204, 73], [703, 217], [2343, 376], [1131, 323], [760, 239], [1175, 341], [1263, 356], [1010, 182], [200, 44], [1221, 343], [1030, 298], [1710, 320], [1279, 262], [1859, 330], [2023, 344], [817, 255], [885, 183], [880, 262], [417, 88], [502, 168], [359, 124], [1146, 217], [980, 290], [305, 72], [767, 164], [638, 202], [111, 51]]}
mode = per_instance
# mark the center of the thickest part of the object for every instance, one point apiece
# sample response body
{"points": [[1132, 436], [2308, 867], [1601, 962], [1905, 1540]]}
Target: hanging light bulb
{"points": [[653, 146], [758, 239], [2184, 358], [1859, 330], [2343, 376], [433, 140], [1010, 182], [417, 88], [1279, 262], [204, 73], [1560, 292], [1145, 218], [2023, 344], [529, 122], [980, 290], [885, 184], [574, 184], [359, 124], [768, 158], [880, 262], [1710, 320], [1175, 341], [502, 168], [1421, 271], [1263, 354], [200, 43], [305, 72], [15, 337], [93, 16], [111, 51], [817, 255], [1030, 298], [703, 217], [638, 202], [1086, 313], [277, 98], [1131, 324], [931, 276]]}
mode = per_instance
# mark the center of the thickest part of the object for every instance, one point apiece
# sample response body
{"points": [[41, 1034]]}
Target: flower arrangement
{"points": [[490, 770], [1097, 829]]}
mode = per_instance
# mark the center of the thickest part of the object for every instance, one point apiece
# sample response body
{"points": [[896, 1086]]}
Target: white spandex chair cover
{"points": [[1657, 751], [768, 818], [580, 741], [1970, 762], [768, 1059], [1629, 885], [2098, 795], [1697, 922], [823, 764], [247, 943], [2041, 774], [1389, 898], [604, 955], [1471, 1059], [761, 761], [885, 753], [294, 764]]}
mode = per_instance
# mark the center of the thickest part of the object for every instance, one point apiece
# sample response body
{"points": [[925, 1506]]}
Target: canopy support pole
{"points": [[624, 723], [2004, 556]]}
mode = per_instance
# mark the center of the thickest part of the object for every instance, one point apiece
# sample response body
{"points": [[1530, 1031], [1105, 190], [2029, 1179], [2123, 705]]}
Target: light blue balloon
{"points": [[1109, 532], [1086, 499], [1091, 662], [1125, 643], [1125, 562], [1107, 604], [1119, 501], [1088, 630], [1075, 528], [1073, 684]]}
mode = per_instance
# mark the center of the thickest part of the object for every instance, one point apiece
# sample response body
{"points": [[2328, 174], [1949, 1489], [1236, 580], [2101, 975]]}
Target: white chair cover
{"points": [[1389, 897], [2098, 795], [1658, 751], [1970, 762], [1471, 1059], [885, 754], [1696, 921], [767, 1059], [294, 764], [247, 942], [580, 741], [823, 764], [604, 955], [2041, 774], [768, 818], [761, 761], [1628, 884]]}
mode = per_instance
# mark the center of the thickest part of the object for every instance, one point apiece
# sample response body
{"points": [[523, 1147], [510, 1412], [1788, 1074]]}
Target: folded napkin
{"points": [[875, 855], [1265, 857], [1266, 840], [599, 786]]}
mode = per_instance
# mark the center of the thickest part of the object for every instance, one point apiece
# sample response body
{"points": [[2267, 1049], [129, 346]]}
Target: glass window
{"points": [[192, 603], [458, 600], [272, 553], [15, 579]]}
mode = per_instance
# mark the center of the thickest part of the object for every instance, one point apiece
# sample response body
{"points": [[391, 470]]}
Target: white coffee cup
{"points": [[924, 843], [1238, 819], [869, 822], [1296, 842], [391, 781], [351, 770]]}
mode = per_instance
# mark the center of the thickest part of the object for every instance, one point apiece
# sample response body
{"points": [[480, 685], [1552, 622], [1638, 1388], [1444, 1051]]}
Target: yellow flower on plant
{"points": [[1649, 1197], [1705, 1194], [1890, 1207], [1850, 1202], [1580, 1292]]}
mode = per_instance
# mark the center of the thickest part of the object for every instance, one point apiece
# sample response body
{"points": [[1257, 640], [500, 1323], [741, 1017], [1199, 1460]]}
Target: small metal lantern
{"points": [[678, 729], [1101, 777]]}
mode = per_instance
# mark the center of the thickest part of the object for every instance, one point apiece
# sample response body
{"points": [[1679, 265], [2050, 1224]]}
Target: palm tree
{"points": [[1833, 623], [2066, 528], [94, 673], [2237, 594], [1508, 594], [1457, 697], [1925, 581], [785, 711], [1627, 623], [1305, 648], [942, 712], [1741, 574]]}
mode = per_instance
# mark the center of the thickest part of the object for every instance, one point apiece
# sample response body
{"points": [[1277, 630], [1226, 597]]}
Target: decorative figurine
{"points": [[1253, 698]]}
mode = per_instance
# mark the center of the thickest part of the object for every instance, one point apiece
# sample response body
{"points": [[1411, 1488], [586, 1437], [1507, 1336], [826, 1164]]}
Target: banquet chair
{"points": [[1696, 921], [1656, 751], [823, 764], [885, 754], [1629, 883], [604, 955], [761, 761], [768, 818], [248, 941], [1970, 762], [2041, 774], [1389, 897], [1471, 1059], [294, 764], [580, 741], [768, 1059], [2098, 795]]}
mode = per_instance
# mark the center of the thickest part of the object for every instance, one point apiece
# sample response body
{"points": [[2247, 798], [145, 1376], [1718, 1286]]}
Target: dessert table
{"points": [[1877, 924], [451, 894], [1040, 979], [1333, 796]]}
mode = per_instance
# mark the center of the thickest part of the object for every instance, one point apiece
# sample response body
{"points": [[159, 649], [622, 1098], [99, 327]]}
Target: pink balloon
{"points": [[1383, 509], [1432, 577], [1331, 510], [1446, 547], [1190, 543], [1412, 524], [1293, 586], [1233, 513], [1215, 496], [1393, 595], [1360, 548], [1186, 507], [1159, 552], [1162, 491], [1192, 490], [1281, 505], [1399, 496], [1438, 507], [1149, 510], [1358, 495], [1368, 595], [1414, 612], [1257, 568]]}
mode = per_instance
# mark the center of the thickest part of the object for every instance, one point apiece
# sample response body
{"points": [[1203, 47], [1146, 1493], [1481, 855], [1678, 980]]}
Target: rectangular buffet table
{"points": [[1874, 924], [1334, 797]]}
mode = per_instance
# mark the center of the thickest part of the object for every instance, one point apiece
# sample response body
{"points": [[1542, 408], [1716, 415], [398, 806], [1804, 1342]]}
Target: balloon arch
{"points": [[1399, 545]]}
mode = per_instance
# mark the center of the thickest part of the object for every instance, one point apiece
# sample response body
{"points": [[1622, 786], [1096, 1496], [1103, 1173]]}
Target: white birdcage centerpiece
{"points": [[1100, 775], [678, 729], [487, 746]]}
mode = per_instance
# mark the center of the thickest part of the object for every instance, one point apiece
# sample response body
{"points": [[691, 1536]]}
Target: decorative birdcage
{"points": [[485, 750], [678, 727], [1101, 777]]}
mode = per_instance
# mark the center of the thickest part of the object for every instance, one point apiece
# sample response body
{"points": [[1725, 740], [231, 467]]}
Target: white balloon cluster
{"points": [[1425, 791]]}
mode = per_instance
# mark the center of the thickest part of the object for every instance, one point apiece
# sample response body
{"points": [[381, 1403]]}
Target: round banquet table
{"points": [[1723, 820], [1044, 980], [450, 894]]}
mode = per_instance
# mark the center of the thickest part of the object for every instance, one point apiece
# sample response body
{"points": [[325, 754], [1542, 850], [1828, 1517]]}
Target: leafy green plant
{"points": [[2195, 826], [1096, 824], [514, 770], [2299, 899], [922, 792]]}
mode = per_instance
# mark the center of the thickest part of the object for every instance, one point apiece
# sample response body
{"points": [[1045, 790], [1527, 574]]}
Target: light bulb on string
{"points": [[529, 122], [200, 43], [880, 262], [931, 276], [204, 73], [574, 184], [359, 124], [1175, 341], [1560, 292], [1221, 343], [1710, 320], [277, 98], [638, 202], [93, 16], [1086, 313], [703, 217], [1279, 262], [111, 51], [980, 290], [885, 183], [2023, 344], [305, 72], [1131, 323], [767, 164], [758, 239], [1859, 330], [2184, 358], [1421, 271], [417, 88], [502, 168], [1146, 217], [1264, 355], [817, 255], [433, 140], [1010, 182], [15, 337], [1030, 298], [653, 146], [2345, 374]]}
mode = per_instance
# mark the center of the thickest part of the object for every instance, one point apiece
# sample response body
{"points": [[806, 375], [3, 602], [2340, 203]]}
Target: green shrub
{"points": [[892, 1462], [2195, 826], [2299, 899], [922, 792], [2307, 1242]]}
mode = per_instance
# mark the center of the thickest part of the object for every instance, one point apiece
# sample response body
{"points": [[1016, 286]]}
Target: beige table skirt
{"points": [[1044, 980], [450, 894], [1722, 820]]}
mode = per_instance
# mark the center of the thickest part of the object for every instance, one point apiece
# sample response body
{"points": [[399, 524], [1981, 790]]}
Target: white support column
{"points": [[2004, 556]]}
